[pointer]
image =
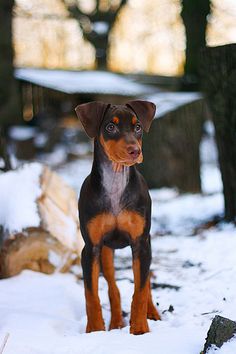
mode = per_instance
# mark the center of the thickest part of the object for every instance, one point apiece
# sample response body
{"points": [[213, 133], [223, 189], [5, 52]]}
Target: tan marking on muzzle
{"points": [[116, 151]]}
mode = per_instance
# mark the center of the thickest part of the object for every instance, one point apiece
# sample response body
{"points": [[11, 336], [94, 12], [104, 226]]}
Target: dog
{"points": [[115, 210]]}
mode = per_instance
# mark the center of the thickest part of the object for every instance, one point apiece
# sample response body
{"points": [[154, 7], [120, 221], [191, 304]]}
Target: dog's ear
{"points": [[144, 110], [91, 115]]}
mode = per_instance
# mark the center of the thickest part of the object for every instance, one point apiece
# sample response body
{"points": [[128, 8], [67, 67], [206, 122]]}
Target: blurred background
{"points": [[59, 53], [134, 36]]}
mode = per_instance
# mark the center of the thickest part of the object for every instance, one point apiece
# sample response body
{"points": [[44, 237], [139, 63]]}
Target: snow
{"points": [[89, 82], [196, 266], [19, 191], [100, 27], [227, 348], [46, 314], [22, 133]]}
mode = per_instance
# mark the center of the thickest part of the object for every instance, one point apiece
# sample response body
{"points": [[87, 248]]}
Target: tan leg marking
{"points": [[114, 294], [138, 320], [93, 306], [152, 313]]}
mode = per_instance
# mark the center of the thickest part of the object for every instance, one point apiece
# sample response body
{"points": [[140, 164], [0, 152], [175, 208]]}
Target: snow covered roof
{"points": [[89, 82], [169, 101]]}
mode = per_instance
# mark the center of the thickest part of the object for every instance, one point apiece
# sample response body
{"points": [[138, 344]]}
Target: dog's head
{"points": [[118, 128]]}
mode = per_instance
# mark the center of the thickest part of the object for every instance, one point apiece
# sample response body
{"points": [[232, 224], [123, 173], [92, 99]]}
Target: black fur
{"points": [[94, 200]]}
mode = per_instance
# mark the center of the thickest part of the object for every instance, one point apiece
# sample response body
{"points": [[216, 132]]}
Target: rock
{"points": [[221, 330], [55, 244]]}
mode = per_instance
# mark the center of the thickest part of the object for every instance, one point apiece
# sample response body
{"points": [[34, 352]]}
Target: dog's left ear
{"points": [[91, 115], [144, 110]]}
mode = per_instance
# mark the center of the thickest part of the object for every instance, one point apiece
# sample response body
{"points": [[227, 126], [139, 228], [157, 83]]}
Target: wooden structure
{"points": [[55, 93], [56, 244], [171, 148]]}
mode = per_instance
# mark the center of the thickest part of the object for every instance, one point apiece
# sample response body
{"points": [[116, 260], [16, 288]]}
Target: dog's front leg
{"points": [[141, 251], [91, 267]]}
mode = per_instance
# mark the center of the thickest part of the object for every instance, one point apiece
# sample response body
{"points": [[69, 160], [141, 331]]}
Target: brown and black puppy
{"points": [[115, 209]]}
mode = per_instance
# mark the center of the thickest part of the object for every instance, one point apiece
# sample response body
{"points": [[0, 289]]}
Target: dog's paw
{"points": [[116, 323], [95, 327], [140, 328], [153, 314]]}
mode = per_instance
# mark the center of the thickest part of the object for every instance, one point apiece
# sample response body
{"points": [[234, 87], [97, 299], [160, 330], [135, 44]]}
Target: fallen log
{"points": [[53, 242]]}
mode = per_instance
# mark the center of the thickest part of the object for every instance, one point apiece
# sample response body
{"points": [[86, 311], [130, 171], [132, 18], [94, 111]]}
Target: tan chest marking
{"points": [[126, 221], [131, 222], [100, 225]]}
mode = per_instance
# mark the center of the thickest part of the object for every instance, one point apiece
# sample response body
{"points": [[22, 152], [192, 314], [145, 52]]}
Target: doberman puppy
{"points": [[115, 210]]}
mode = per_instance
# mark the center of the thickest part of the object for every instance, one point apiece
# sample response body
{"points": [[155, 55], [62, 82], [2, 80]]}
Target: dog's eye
{"points": [[110, 127], [138, 128]]}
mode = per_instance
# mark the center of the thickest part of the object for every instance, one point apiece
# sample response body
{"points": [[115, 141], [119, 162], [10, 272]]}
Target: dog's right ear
{"points": [[91, 115]]}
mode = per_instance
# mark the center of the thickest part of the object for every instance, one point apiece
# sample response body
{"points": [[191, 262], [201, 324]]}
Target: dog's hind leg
{"points": [[141, 250], [113, 291]]}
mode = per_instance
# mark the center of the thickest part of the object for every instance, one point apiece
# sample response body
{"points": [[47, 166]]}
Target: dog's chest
{"points": [[114, 184]]}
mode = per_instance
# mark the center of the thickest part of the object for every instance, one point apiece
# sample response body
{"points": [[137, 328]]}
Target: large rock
{"points": [[221, 330], [54, 244]]}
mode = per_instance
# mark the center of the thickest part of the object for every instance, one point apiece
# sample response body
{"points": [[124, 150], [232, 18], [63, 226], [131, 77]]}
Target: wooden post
{"points": [[171, 148]]}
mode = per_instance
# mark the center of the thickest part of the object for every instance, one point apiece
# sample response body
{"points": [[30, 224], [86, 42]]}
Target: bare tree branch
{"points": [[96, 25]]}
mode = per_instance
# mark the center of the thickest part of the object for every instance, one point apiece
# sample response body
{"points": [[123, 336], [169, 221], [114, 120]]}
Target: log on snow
{"points": [[56, 244]]}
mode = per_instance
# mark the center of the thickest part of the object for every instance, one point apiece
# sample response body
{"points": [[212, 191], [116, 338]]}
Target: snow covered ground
{"points": [[194, 278]]}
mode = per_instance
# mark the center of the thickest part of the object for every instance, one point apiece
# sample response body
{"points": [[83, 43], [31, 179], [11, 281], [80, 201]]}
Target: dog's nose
{"points": [[134, 151]]}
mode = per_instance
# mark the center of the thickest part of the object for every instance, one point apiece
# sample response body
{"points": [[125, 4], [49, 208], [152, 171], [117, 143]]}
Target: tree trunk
{"points": [[4, 154], [219, 83], [9, 91], [194, 14], [100, 43]]}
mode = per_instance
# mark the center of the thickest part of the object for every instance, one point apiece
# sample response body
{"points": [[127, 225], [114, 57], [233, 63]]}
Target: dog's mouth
{"points": [[126, 160]]}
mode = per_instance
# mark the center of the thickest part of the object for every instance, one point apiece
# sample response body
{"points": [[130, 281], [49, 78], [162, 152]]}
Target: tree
{"points": [[194, 14], [4, 153], [219, 84], [96, 25], [9, 94]]}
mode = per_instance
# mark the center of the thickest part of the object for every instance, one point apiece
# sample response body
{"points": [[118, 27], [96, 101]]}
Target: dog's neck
{"points": [[114, 177]]}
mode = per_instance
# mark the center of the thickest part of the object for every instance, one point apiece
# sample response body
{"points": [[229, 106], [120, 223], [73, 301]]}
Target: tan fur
{"points": [[117, 152], [114, 294], [129, 221]]}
